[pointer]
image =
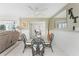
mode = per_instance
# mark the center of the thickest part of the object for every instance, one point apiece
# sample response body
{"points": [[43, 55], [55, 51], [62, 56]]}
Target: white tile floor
{"points": [[18, 51]]}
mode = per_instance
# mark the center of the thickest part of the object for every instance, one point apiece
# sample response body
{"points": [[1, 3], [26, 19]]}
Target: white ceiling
{"points": [[30, 9], [61, 14]]}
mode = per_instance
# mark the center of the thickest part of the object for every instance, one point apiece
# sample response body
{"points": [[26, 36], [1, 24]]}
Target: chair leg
{"points": [[51, 48], [24, 48]]}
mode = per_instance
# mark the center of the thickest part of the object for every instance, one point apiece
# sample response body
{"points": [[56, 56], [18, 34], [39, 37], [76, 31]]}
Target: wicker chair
{"points": [[24, 39], [38, 46], [51, 40]]}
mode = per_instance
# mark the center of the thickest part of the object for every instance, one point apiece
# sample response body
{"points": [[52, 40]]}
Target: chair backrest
{"points": [[23, 37], [37, 41], [52, 37]]}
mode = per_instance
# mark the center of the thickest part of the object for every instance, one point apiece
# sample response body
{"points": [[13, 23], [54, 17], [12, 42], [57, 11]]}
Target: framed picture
{"points": [[23, 24]]}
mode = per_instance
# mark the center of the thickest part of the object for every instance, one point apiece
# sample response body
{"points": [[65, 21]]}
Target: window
{"points": [[7, 25], [61, 25]]}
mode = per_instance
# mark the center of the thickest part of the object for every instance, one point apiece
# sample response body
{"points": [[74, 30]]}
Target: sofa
{"points": [[7, 39]]}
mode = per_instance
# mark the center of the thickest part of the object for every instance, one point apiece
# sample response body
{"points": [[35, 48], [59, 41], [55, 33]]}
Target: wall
{"points": [[69, 21], [51, 24], [75, 7], [67, 42]]}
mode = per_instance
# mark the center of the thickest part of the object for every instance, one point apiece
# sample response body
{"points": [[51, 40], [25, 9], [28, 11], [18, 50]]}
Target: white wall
{"points": [[68, 42], [75, 7]]}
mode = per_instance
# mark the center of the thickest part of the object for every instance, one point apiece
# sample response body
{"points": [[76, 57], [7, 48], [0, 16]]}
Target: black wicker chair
{"points": [[24, 39], [38, 46], [51, 38]]}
